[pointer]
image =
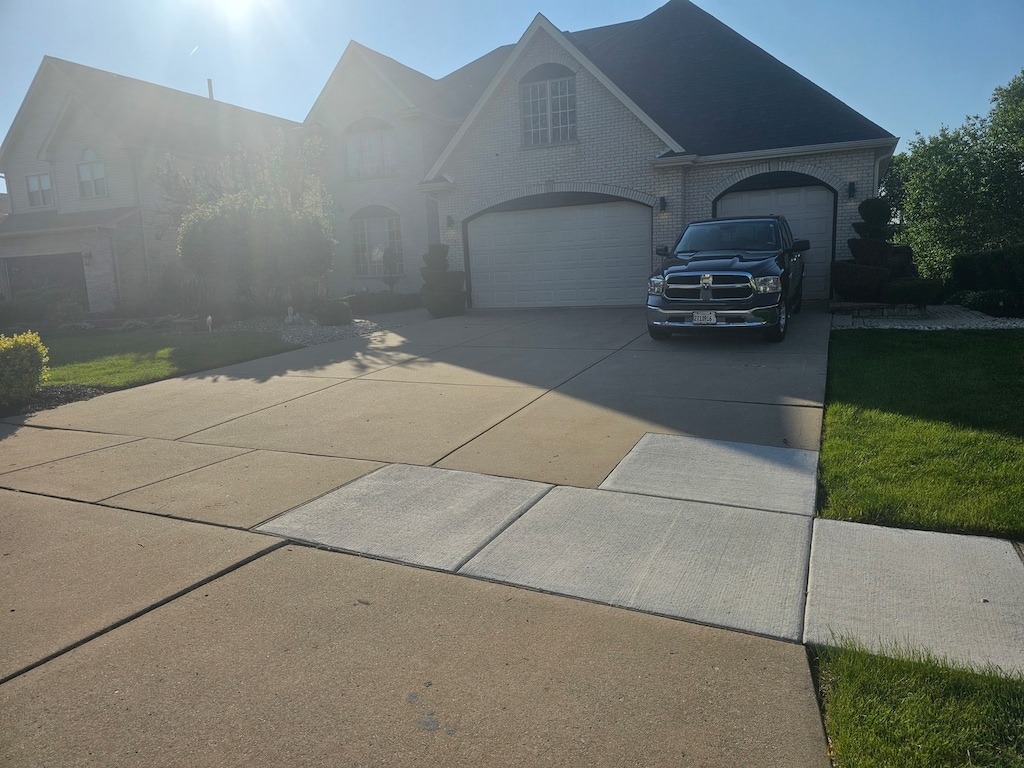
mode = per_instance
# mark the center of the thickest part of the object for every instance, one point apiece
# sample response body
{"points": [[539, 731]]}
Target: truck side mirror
{"points": [[799, 246], [662, 250]]}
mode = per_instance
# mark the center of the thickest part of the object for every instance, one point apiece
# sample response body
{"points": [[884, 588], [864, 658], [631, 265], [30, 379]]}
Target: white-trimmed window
{"points": [[548, 105], [370, 149], [40, 190], [92, 177], [375, 230]]}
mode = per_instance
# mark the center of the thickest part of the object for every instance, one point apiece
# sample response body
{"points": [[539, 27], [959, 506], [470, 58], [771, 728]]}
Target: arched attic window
{"points": [[370, 149], [375, 231], [548, 94], [92, 176]]}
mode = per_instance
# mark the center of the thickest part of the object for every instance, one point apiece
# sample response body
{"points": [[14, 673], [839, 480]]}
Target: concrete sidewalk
{"points": [[168, 598]]}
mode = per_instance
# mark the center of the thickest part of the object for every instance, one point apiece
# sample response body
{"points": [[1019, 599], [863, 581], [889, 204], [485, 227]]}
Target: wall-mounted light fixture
{"points": [[662, 204], [87, 257], [451, 222], [851, 189]]}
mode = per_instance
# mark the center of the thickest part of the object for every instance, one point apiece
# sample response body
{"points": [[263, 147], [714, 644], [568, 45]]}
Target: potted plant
{"points": [[443, 290]]}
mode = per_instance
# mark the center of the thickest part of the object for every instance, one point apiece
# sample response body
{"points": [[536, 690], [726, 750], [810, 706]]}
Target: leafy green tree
{"points": [[962, 190], [254, 234]]}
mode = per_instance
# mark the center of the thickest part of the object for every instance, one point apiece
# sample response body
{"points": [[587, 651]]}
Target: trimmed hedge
{"points": [[372, 303], [919, 291], [333, 312], [989, 271], [48, 306], [23, 360], [989, 281], [859, 282]]}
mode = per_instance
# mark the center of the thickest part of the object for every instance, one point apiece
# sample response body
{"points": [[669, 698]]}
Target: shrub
{"points": [[993, 303], [1001, 270], [333, 312], [870, 253], [918, 291], [858, 282], [876, 213], [23, 360], [370, 303], [51, 306], [436, 257]]}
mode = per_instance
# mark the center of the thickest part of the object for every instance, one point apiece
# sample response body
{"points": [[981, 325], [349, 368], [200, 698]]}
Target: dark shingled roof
{"points": [[709, 87], [714, 91], [146, 115]]}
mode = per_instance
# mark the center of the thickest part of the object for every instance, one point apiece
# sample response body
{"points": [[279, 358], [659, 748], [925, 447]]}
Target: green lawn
{"points": [[915, 712], [926, 430], [923, 430], [118, 359]]}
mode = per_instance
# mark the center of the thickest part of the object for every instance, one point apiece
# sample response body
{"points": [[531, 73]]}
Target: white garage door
{"points": [[809, 213], [575, 256]]}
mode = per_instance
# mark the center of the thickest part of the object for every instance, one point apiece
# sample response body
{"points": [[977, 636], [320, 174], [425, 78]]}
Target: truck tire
{"points": [[776, 333]]}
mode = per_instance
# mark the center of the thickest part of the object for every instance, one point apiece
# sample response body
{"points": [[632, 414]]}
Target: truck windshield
{"points": [[747, 235]]}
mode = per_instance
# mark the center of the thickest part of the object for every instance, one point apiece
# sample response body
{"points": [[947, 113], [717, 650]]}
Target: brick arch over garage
{"points": [[815, 174], [563, 188]]}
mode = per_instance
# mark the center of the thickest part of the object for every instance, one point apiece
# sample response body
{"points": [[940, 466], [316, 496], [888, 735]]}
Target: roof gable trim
{"points": [[540, 23], [354, 53]]}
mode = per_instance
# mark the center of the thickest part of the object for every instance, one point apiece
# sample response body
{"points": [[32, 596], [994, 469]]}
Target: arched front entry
{"points": [[559, 249], [807, 203]]}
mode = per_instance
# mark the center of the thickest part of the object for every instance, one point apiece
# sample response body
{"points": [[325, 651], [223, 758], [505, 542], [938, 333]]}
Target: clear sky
{"points": [[908, 65]]}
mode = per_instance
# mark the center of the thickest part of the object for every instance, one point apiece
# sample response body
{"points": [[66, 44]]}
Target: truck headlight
{"points": [[768, 284], [656, 286]]}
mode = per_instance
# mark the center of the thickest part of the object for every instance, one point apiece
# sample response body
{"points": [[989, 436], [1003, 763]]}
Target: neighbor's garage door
{"points": [[574, 256], [809, 211]]}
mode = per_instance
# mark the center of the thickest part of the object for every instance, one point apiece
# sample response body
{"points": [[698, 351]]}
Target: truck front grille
{"points": [[724, 286]]}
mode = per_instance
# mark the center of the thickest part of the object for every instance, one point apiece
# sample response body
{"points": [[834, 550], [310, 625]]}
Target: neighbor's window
{"points": [[374, 230], [549, 105], [92, 178], [39, 190], [370, 149]]}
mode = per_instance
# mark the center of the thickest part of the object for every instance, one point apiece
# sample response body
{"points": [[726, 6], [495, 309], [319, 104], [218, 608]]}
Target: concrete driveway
{"points": [[160, 606]]}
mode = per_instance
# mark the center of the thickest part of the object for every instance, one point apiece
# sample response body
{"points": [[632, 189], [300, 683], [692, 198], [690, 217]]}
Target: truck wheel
{"points": [[658, 334], [776, 333]]}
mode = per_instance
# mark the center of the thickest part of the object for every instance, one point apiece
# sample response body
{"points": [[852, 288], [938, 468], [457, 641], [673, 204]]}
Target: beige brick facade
{"points": [[615, 154]]}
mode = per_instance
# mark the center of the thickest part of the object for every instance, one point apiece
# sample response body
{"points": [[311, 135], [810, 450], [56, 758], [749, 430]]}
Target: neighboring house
{"points": [[80, 161], [554, 167]]}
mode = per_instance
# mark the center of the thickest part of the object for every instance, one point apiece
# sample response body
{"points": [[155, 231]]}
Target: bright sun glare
{"points": [[235, 11]]}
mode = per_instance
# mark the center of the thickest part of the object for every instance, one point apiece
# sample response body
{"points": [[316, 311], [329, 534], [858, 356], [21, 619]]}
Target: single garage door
{"points": [[809, 211], [572, 256]]}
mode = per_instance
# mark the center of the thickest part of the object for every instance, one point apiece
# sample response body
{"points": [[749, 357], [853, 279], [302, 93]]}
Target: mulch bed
{"points": [[46, 398]]}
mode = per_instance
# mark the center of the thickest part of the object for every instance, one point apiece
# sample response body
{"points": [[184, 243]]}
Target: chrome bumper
{"points": [[757, 317]]}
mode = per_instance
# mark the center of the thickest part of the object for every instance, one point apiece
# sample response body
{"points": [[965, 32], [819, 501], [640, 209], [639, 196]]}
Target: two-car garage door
{"points": [[570, 256]]}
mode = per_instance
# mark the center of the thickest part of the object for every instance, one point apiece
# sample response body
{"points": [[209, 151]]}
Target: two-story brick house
{"points": [[80, 162], [552, 168]]}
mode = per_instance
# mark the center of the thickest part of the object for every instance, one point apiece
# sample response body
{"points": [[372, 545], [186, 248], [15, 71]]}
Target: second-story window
{"points": [[548, 105], [40, 191], [92, 177], [370, 149]]}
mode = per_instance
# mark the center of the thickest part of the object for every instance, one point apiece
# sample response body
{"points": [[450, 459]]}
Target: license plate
{"points": [[704, 318]]}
